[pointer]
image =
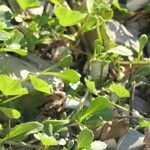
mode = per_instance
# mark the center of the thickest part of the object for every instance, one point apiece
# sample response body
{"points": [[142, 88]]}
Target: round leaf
{"points": [[10, 112], [40, 85]]}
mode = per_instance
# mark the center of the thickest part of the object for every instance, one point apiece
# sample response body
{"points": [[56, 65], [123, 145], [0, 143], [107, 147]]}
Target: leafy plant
{"points": [[67, 25]]}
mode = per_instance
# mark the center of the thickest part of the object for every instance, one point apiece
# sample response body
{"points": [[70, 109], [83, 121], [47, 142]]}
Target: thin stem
{"points": [[9, 127], [131, 101], [142, 62], [11, 99]]}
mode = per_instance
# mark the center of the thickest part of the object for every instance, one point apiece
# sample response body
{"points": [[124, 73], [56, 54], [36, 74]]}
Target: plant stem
{"points": [[142, 62], [11, 99], [131, 101]]}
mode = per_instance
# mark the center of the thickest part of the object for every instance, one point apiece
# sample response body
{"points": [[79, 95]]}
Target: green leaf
{"points": [[105, 11], [21, 52], [119, 90], [97, 104], [67, 17], [144, 123], [56, 124], [120, 7], [4, 35], [45, 139], [143, 41], [89, 24], [94, 121], [91, 86], [121, 50], [85, 139], [21, 131], [106, 114], [40, 85], [25, 4], [89, 5], [69, 75], [16, 39], [142, 71], [10, 112], [1, 128], [65, 61], [8, 86], [5, 17], [98, 145], [56, 2]]}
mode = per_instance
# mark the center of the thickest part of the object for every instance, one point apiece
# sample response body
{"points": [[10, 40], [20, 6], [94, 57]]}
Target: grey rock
{"points": [[134, 5], [119, 34], [140, 105], [147, 138], [132, 140], [74, 103], [111, 144]]}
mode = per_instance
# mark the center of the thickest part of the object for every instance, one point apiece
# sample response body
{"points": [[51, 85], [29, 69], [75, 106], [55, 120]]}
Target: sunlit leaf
{"points": [[10, 112], [40, 85], [89, 24], [119, 90], [144, 123], [25, 4], [22, 130], [143, 41], [69, 75], [85, 139], [21, 52], [45, 139], [121, 50], [1, 127], [90, 85], [97, 104], [8, 86], [56, 1], [68, 17]]}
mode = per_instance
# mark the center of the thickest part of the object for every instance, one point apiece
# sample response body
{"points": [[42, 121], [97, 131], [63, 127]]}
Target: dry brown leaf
{"points": [[112, 129], [147, 138]]}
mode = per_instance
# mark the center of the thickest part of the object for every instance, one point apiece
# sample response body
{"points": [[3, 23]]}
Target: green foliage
{"points": [[1, 128], [67, 25], [45, 139], [97, 104], [5, 17], [10, 112], [119, 90], [121, 50], [69, 75], [25, 4], [21, 131], [9, 86], [56, 124], [144, 123], [91, 86], [68, 17], [21, 52], [40, 85], [143, 41], [85, 139], [89, 24]]}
